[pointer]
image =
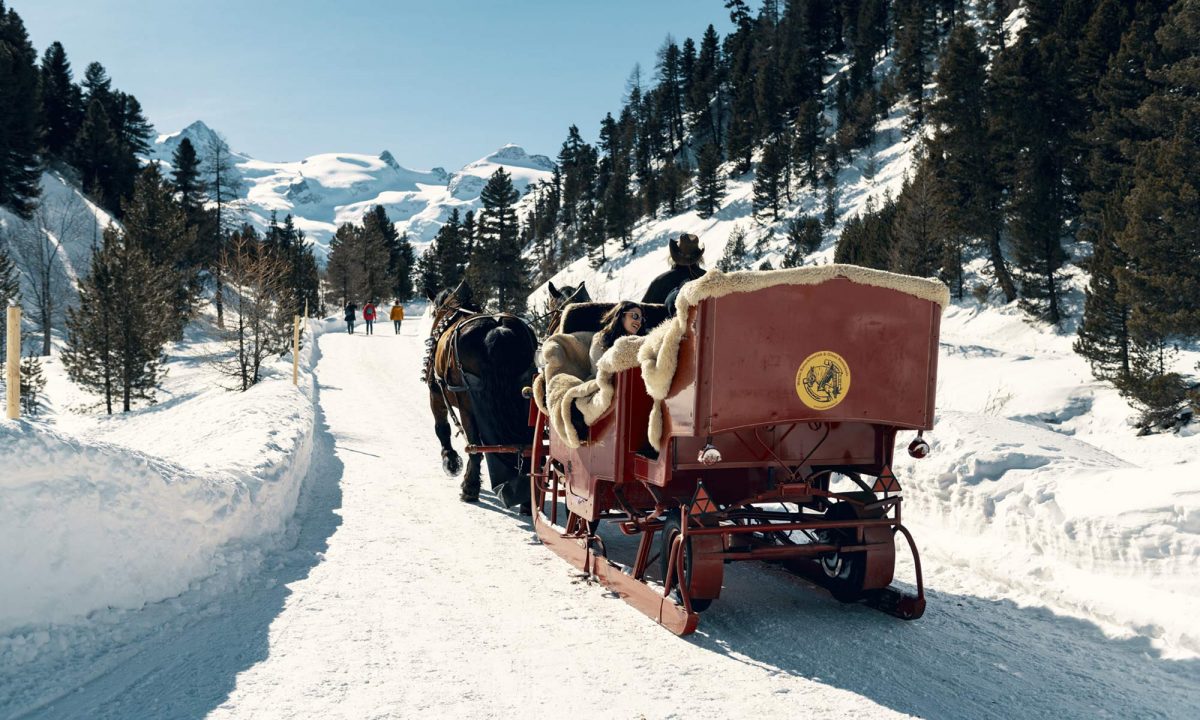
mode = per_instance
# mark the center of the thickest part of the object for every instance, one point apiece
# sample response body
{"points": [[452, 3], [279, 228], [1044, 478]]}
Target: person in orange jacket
{"points": [[397, 316], [369, 316]]}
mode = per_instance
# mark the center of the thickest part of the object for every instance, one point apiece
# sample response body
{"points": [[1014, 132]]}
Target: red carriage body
{"points": [[776, 392]]}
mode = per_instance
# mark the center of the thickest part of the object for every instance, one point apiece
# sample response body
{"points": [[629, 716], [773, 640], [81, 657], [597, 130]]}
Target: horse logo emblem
{"points": [[823, 380]]}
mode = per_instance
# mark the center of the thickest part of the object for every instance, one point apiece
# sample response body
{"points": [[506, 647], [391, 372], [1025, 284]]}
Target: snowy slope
{"points": [[324, 191]]}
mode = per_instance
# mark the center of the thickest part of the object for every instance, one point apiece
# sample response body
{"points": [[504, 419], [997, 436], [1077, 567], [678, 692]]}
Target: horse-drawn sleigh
{"points": [[756, 423]]}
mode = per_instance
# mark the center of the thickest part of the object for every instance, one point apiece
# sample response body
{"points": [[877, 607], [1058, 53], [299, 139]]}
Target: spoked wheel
{"points": [[702, 569], [846, 571]]}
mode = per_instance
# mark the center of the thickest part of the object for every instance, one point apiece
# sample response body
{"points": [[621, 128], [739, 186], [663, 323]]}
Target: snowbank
{"points": [[161, 499]]}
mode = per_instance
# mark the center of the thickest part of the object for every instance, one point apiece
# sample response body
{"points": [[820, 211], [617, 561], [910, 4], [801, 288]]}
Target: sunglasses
{"points": [[634, 315]]}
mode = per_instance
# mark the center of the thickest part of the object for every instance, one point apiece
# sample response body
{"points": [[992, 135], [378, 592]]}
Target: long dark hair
{"points": [[613, 328]]}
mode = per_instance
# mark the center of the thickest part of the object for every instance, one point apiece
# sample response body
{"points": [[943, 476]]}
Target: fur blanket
{"points": [[570, 376]]}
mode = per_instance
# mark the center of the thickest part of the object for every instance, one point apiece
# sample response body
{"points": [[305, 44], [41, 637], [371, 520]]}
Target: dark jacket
{"points": [[350, 310]]}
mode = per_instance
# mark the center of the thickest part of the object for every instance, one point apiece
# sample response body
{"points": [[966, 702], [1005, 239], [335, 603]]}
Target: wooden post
{"points": [[14, 362]]}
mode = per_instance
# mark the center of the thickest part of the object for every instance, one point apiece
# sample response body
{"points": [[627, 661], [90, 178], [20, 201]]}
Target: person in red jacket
{"points": [[369, 317]]}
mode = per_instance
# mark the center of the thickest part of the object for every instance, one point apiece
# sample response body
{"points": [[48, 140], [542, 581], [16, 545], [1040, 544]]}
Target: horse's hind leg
{"points": [[470, 484], [451, 462]]}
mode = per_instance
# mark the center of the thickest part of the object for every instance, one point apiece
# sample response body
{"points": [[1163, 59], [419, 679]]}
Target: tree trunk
{"points": [[1000, 267]]}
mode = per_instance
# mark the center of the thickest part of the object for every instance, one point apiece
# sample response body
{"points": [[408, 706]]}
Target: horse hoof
{"points": [[452, 464], [526, 509], [469, 498]]}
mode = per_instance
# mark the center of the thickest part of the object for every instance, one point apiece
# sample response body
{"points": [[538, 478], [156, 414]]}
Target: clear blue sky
{"points": [[437, 82]]}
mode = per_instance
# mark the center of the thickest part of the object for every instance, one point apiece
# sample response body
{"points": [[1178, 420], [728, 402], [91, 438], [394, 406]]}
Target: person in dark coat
{"points": [[687, 256], [351, 310]]}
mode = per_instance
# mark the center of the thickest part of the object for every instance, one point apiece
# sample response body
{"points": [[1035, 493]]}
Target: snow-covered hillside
{"points": [[324, 191]]}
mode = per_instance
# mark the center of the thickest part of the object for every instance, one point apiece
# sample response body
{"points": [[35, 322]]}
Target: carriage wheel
{"points": [[702, 568]]}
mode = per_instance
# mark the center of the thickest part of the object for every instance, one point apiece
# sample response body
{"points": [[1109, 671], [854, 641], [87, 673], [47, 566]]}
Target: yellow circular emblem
{"points": [[823, 380]]}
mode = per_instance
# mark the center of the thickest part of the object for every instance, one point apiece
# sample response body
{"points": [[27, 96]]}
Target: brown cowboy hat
{"points": [[687, 250]]}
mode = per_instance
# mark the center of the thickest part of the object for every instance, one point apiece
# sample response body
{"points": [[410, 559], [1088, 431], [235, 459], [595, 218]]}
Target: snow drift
{"points": [[168, 496]]}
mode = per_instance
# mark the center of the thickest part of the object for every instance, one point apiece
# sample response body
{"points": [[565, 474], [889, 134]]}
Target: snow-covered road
{"points": [[398, 601]]}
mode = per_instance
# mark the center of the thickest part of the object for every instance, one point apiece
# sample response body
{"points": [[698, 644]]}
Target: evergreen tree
{"points": [[450, 253], [710, 184], [20, 136], [769, 180], [116, 334], [186, 178], [866, 239], [919, 230], [1104, 337], [10, 288], [913, 48], [498, 269], [736, 255], [33, 383], [341, 270], [1161, 236], [405, 270], [62, 102], [804, 236], [95, 155], [963, 152], [155, 223]]}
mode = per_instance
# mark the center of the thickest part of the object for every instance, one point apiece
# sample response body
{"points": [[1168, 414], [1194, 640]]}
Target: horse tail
{"points": [[500, 410], [509, 361]]}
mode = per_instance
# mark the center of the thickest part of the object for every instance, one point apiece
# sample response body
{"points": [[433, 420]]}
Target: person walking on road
{"points": [[351, 309], [369, 317], [397, 316]]}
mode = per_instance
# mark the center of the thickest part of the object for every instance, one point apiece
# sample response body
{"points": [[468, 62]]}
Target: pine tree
{"points": [[10, 288], [1161, 237], [769, 180], [710, 184], [62, 102], [866, 239], [405, 270], [156, 224], [804, 236], [964, 151], [20, 167], [449, 253], [185, 175], [116, 334], [736, 256], [498, 269], [919, 230], [913, 47], [341, 270], [1104, 331], [33, 383]]}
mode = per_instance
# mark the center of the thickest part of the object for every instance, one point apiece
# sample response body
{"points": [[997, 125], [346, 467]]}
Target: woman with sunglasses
{"points": [[627, 318]]}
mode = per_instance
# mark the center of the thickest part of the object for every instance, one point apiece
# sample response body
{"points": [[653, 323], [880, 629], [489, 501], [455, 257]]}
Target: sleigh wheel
{"points": [[851, 575], [702, 570]]}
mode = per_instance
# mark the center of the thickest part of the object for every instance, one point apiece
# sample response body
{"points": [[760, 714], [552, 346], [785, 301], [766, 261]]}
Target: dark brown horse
{"points": [[560, 298], [476, 367]]}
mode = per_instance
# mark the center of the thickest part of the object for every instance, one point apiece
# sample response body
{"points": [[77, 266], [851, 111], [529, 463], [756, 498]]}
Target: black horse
{"points": [[478, 364], [686, 255]]}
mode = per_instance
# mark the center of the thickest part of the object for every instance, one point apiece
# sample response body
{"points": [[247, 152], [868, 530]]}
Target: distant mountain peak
{"points": [[389, 160]]}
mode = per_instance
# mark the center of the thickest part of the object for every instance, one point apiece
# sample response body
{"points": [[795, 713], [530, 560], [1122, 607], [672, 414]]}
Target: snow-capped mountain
{"points": [[325, 191]]}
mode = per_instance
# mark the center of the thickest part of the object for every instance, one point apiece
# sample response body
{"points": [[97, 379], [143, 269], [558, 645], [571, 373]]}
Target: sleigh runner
{"points": [[759, 423]]}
